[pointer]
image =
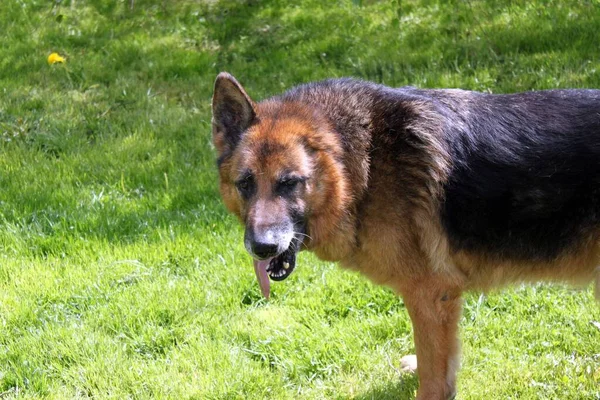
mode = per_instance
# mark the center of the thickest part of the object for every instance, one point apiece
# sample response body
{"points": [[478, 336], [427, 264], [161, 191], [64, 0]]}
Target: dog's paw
{"points": [[408, 364]]}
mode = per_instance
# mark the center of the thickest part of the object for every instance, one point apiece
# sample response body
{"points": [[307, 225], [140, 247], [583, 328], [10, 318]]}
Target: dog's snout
{"points": [[266, 242], [263, 243]]}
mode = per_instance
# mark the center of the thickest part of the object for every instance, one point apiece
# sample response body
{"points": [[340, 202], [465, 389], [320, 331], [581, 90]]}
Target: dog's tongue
{"points": [[260, 268]]}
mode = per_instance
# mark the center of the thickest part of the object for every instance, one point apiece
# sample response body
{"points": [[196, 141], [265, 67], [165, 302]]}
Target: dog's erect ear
{"points": [[233, 112]]}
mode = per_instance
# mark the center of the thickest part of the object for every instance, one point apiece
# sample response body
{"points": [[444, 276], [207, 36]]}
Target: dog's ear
{"points": [[233, 113]]}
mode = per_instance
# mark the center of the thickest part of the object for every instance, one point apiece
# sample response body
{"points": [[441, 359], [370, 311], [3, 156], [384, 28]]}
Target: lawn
{"points": [[121, 274]]}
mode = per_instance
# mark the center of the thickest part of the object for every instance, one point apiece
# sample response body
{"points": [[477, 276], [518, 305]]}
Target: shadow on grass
{"points": [[402, 389]]}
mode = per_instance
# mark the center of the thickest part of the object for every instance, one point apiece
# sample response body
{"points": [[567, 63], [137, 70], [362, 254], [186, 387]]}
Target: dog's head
{"points": [[272, 173]]}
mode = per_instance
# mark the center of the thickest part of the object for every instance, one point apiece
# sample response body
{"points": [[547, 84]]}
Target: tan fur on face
{"points": [[289, 137]]}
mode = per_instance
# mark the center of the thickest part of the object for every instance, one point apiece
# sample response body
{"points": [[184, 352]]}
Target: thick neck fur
{"points": [[365, 118], [345, 106]]}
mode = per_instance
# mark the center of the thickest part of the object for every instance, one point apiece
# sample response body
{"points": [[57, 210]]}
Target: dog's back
{"points": [[525, 175]]}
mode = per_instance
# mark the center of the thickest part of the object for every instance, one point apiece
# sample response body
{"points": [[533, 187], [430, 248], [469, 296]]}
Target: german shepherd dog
{"points": [[430, 192]]}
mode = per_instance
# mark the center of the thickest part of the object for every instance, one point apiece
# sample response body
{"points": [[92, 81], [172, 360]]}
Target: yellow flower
{"points": [[55, 58]]}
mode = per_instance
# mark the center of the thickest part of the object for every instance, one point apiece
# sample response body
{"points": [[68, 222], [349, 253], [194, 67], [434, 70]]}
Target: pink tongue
{"points": [[260, 268]]}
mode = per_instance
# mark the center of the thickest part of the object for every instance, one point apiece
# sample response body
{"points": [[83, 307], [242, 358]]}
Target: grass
{"points": [[121, 276]]}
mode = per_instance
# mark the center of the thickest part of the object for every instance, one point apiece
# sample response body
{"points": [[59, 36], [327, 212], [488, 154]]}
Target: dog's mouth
{"points": [[276, 268]]}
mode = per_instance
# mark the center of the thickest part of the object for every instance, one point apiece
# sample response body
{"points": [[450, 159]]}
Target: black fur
{"points": [[526, 177]]}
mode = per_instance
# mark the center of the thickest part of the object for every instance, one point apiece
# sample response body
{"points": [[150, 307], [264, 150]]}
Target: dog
{"points": [[430, 192]]}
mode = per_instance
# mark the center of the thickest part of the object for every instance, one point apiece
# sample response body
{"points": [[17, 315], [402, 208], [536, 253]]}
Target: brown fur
{"points": [[386, 225]]}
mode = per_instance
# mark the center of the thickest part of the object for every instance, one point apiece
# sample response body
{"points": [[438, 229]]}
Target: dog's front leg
{"points": [[434, 308]]}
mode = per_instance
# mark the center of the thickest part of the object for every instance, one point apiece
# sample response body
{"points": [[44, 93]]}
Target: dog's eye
{"points": [[244, 185], [289, 182]]}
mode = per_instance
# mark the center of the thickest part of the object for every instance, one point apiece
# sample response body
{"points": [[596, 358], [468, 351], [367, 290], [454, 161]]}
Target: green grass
{"points": [[122, 276]]}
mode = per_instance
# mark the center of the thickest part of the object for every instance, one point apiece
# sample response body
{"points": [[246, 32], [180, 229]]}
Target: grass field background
{"points": [[122, 276]]}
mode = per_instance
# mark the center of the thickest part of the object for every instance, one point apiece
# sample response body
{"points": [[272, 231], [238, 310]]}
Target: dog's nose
{"points": [[264, 250]]}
